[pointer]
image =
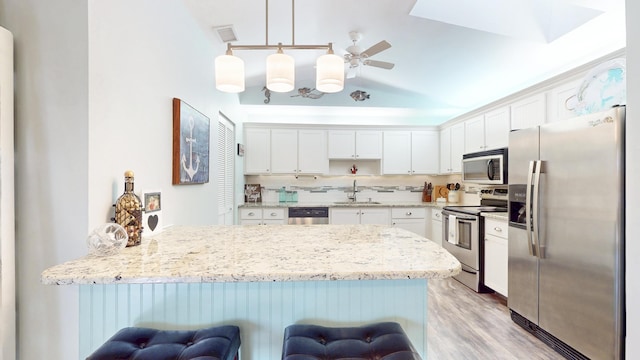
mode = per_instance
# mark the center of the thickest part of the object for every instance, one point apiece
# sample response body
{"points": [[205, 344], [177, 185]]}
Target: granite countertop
{"points": [[235, 253], [496, 215], [343, 204]]}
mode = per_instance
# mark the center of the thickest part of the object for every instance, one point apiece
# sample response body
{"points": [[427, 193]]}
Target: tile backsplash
{"points": [[314, 189]]}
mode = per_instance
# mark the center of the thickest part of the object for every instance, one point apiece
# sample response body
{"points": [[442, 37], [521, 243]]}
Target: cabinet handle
{"points": [[409, 213], [274, 214], [497, 229], [251, 214]]}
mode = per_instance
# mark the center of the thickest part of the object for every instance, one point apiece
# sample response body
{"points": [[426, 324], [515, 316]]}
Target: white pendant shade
{"points": [[229, 74], [280, 72], [330, 73]]}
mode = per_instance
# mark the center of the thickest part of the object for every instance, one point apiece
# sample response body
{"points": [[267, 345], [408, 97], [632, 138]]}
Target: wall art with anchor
{"points": [[152, 218], [190, 145]]}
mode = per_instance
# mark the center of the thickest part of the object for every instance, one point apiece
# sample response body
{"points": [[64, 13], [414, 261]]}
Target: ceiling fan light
{"points": [[229, 71], [280, 72], [330, 73]]}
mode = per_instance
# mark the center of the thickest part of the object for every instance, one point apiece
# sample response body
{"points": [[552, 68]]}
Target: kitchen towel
{"points": [[453, 230]]}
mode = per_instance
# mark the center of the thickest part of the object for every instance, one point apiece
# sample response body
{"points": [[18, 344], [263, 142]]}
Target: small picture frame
{"points": [[152, 202], [152, 216], [240, 150]]}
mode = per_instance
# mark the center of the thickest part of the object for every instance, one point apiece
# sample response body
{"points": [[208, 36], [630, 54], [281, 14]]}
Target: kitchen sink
{"points": [[357, 202]]}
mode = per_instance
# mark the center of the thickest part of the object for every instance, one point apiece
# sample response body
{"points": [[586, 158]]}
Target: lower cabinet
{"points": [[352, 215], [412, 219], [436, 226], [265, 216], [496, 255]]}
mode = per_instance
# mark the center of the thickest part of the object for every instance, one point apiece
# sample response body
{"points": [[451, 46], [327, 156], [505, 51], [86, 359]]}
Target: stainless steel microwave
{"points": [[486, 167]]}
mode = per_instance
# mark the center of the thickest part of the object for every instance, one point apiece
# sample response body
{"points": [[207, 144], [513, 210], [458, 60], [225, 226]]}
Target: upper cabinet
{"points": [[451, 149], [488, 131], [257, 145], [351, 144], [562, 101], [529, 112], [410, 152], [299, 151]]}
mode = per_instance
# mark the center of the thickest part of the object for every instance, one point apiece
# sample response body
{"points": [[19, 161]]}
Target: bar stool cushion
{"points": [[219, 343], [379, 341]]}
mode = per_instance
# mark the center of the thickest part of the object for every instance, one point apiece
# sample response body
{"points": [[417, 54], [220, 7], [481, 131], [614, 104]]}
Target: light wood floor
{"points": [[463, 324]]}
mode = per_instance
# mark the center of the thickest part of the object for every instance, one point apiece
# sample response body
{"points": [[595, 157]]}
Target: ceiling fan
{"points": [[356, 57]]}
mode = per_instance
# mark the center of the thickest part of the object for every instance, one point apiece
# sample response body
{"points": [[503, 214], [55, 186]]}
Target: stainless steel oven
{"points": [[461, 237]]}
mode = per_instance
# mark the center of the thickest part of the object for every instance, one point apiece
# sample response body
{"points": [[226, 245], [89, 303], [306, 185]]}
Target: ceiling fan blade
{"points": [[380, 64], [381, 46]]}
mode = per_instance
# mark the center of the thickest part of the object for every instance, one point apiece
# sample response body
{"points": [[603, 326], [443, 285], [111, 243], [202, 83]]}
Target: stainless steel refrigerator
{"points": [[566, 234]]}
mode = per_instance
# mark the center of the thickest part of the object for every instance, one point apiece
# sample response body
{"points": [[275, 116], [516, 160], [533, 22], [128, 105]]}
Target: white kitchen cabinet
{"points": [[354, 215], [529, 112], [299, 151], [562, 101], [351, 144], [410, 152], [265, 216], [488, 131], [257, 145], [436, 226], [451, 149], [412, 219], [496, 255]]}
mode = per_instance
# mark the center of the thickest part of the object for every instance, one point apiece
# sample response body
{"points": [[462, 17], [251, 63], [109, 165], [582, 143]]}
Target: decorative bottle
{"points": [[129, 211]]}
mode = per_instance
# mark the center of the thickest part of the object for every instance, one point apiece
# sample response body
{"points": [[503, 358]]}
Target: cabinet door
{"points": [[529, 112], [445, 150], [496, 266], [369, 144], [457, 147], [284, 151], [474, 134], [436, 227], [425, 150], [562, 101], [416, 226], [312, 152], [497, 125], [396, 157], [375, 216], [257, 145], [346, 216], [341, 144]]}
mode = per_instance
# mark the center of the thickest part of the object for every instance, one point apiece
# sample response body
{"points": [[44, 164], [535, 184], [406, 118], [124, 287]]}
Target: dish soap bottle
{"points": [[129, 211]]}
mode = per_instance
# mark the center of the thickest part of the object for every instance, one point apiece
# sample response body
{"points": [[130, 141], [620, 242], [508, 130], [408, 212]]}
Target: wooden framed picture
{"points": [[190, 145]]}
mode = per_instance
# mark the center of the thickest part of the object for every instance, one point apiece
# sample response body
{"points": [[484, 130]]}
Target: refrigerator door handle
{"points": [[527, 208], [536, 204]]}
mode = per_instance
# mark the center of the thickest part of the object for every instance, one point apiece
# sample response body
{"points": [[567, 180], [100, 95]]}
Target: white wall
{"points": [[94, 83], [633, 175]]}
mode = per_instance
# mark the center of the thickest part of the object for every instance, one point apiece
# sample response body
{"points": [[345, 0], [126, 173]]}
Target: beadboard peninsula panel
{"points": [[261, 309]]}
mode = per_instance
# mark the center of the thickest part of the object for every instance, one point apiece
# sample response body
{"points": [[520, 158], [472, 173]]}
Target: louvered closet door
{"points": [[226, 170]]}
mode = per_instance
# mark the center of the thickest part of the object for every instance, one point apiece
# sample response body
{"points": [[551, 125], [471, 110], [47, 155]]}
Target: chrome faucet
{"points": [[352, 197]]}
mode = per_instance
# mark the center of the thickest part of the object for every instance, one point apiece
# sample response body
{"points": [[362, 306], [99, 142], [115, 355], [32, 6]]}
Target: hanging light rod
{"points": [[280, 67]]}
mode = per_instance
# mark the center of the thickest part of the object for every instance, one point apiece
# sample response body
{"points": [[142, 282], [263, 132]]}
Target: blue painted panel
{"points": [[262, 309]]}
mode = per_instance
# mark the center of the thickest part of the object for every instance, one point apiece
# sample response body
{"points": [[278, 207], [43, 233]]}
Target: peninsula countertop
{"points": [[236, 253]]}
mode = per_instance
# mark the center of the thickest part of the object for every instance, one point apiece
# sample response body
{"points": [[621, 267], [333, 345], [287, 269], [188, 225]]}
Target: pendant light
{"points": [[280, 75], [280, 71], [330, 72], [229, 72]]}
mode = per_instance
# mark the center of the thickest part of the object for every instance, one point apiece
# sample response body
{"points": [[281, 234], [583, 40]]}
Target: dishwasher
{"points": [[308, 215]]}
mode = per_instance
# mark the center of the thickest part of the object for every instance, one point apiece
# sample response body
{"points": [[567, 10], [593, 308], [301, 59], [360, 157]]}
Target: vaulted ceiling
{"points": [[450, 56]]}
